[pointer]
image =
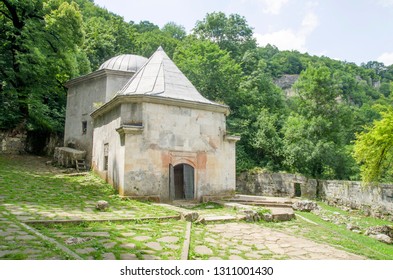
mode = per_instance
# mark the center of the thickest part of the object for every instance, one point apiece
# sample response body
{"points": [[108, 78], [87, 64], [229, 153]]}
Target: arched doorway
{"points": [[181, 182]]}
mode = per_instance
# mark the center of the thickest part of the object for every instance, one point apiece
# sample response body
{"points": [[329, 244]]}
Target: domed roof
{"points": [[124, 62]]}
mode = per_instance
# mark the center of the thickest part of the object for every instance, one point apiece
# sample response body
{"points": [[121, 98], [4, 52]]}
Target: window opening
{"points": [[106, 152], [298, 190], [84, 127]]}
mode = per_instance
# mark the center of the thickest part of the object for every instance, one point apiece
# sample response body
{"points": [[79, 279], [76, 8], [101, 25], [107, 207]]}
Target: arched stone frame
{"points": [[182, 158]]}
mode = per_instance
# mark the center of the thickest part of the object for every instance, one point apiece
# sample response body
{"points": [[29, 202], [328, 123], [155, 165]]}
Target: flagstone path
{"points": [[233, 240]]}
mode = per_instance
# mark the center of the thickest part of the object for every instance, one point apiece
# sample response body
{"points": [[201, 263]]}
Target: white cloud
{"points": [[289, 39], [385, 3], [285, 39], [273, 6], [386, 58], [309, 23]]}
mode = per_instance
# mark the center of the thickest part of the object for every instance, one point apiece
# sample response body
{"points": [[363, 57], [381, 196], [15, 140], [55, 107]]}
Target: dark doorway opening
{"points": [[181, 182], [298, 190]]}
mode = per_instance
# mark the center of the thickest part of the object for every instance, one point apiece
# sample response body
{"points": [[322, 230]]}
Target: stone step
{"points": [[282, 214], [265, 203], [225, 218]]}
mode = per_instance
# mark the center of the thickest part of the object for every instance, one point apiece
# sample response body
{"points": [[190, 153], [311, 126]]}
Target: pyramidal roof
{"points": [[161, 77]]}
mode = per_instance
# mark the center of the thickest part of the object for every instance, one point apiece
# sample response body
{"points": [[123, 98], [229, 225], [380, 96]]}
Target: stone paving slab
{"points": [[22, 244], [243, 239], [232, 240]]}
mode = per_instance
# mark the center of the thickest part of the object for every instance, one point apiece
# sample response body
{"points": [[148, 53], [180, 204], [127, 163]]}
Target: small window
{"points": [[84, 127], [106, 152]]}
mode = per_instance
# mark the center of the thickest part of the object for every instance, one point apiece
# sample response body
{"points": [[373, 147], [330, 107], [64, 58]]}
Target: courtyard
{"points": [[50, 213]]}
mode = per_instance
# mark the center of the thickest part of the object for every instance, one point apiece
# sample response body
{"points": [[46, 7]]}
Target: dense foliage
{"points": [[317, 126]]}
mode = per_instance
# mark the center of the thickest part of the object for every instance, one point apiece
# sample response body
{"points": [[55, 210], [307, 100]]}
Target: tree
{"points": [[231, 33], [285, 62], [147, 43], [174, 30], [38, 52], [374, 148], [267, 141], [316, 133], [212, 71], [145, 26], [258, 111], [106, 38]]}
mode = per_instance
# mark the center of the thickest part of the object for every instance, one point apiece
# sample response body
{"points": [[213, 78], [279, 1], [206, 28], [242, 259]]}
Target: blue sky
{"points": [[351, 30]]}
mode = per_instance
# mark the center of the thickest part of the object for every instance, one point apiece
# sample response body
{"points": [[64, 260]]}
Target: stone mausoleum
{"points": [[148, 131]]}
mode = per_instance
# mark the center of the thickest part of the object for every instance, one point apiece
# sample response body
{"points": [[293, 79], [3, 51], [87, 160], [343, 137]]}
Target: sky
{"points": [[350, 30]]}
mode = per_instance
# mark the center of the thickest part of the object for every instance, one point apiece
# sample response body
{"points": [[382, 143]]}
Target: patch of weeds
{"points": [[262, 211], [15, 256]]}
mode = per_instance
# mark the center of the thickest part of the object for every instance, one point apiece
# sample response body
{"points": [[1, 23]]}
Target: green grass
{"points": [[116, 236], [34, 189], [30, 189]]}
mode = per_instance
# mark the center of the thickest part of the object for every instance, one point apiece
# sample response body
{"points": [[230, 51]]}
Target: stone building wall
{"points": [[376, 200]]}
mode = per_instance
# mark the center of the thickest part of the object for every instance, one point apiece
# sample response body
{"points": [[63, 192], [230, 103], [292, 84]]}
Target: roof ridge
{"points": [[155, 81], [133, 77], [161, 76]]}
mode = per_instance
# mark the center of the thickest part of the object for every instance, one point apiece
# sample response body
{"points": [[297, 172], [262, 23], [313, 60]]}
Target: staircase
{"points": [[280, 207], [80, 165]]}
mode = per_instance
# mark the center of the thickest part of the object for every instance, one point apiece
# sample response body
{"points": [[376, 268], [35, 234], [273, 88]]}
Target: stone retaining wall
{"points": [[275, 184], [12, 142], [376, 200]]}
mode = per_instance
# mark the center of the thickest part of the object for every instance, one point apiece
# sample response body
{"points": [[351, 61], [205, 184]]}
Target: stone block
{"points": [[66, 157]]}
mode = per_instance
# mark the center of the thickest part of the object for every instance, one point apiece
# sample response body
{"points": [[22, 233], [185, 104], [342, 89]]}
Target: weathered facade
{"points": [[88, 92], [159, 138]]}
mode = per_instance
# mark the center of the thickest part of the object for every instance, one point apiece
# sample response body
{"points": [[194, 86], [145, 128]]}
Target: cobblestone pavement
{"points": [[133, 241], [251, 241], [18, 243]]}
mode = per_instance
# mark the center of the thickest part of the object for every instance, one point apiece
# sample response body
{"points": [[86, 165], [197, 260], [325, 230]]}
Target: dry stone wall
{"points": [[375, 200], [12, 142], [275, 184]]}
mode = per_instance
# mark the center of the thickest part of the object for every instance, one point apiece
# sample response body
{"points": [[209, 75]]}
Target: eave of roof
{"points": [[97, 74], [142, 98]]}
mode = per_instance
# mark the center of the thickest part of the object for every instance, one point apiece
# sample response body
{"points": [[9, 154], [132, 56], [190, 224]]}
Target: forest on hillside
{"points": [[336, 123]]}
